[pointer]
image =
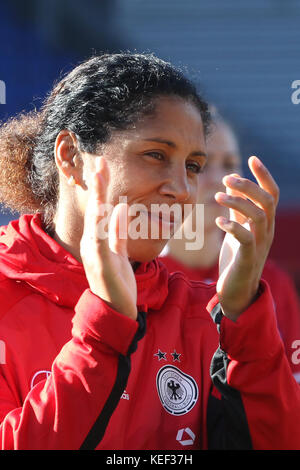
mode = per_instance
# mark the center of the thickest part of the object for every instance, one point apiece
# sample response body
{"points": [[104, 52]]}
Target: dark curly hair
{"points": [[105, 93]]}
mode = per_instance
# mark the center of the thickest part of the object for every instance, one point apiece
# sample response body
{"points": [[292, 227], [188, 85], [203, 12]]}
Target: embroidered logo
{"points": [[177, 391], [160, 355], [176, 356], [125, 395], [185, 437], [163, 355]]}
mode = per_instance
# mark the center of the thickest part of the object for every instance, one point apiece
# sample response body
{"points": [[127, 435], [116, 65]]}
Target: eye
{"points": [[230, 166], [195, 167], [156, 155]]}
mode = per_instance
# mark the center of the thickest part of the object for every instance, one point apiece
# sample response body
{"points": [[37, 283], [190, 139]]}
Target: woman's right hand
{"points": [[105, 259]]}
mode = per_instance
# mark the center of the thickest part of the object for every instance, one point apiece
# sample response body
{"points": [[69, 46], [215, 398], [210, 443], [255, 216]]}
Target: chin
{"points": [[143, 251]]}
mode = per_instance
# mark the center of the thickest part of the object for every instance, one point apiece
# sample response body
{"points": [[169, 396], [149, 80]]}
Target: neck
{"points": [[203, 258], [68, 230]]}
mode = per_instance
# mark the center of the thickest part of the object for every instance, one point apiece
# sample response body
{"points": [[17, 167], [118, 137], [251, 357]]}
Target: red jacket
{"points": [[287, 306], [76, 374]]}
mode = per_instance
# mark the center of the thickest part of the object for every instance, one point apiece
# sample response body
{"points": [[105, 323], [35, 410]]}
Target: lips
{"points": [[157, 220], [166, 218]]}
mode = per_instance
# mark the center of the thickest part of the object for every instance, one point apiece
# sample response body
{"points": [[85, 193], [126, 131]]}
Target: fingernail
{"points": [[222, 196]]}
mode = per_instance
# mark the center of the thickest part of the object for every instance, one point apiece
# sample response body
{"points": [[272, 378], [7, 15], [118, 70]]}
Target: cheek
{"points": [[125, 180], [194, 190]]}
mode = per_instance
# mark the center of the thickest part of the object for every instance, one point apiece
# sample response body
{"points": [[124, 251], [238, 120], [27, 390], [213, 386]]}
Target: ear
{"points": [[66, 151]]}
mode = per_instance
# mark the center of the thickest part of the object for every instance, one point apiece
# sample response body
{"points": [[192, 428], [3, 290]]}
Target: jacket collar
{"points": [[29, 254]]}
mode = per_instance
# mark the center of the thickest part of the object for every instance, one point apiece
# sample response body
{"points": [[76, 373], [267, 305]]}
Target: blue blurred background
{"points": [[243, 55]]}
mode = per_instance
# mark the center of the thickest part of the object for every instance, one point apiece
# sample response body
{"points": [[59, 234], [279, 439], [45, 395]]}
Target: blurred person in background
{"points": [[224, 157]]}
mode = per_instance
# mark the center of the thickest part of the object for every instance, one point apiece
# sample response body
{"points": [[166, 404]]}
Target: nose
{"points": [[176, 186]]}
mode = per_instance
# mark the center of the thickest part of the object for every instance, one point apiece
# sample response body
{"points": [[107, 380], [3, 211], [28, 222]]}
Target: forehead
{"points": [[222, 139], [174, 119]]}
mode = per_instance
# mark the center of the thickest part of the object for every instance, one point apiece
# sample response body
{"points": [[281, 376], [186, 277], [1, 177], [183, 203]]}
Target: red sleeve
{"points": [[287, 307], [87, 379], [251, 371]]}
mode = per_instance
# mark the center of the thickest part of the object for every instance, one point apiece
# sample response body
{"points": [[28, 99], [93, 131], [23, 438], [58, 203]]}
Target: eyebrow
{"points": [[171, 144]]}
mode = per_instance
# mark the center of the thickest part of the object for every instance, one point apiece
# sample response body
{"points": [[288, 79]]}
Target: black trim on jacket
{"points": [[96, 433], [227, 425]]}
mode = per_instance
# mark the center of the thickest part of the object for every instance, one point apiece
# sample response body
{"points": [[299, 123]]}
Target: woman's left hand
{"points": [[249, 235]]}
